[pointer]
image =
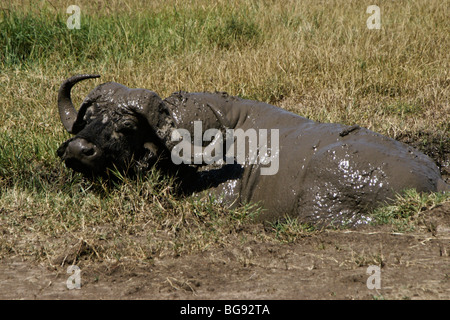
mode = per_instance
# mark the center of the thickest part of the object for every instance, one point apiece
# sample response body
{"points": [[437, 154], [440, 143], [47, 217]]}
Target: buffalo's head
{"points": [[114, 127]]}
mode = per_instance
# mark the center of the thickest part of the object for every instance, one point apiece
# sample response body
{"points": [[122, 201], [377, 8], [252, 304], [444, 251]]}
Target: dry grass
{"points": [[315, 58]]}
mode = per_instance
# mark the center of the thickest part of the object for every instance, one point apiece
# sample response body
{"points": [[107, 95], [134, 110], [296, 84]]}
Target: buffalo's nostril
{"points": [[82, 155], [89, 151], [81, 149]]}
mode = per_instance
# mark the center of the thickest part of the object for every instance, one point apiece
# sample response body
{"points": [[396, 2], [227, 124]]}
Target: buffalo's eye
{"points": [[127, 126]]}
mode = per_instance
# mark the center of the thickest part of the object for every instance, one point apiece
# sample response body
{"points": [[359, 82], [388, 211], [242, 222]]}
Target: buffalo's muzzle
{"points": [[81, 155]]}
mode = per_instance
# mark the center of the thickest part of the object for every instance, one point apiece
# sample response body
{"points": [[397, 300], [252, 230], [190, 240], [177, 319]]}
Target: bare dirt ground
{"points": [[330, 264]]}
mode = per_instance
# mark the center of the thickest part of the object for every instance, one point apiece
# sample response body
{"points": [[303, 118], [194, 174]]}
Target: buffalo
{"points": [[320, 173]]}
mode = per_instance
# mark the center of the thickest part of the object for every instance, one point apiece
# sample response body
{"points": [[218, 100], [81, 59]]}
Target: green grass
{"points": [[234, 31], [405, 213], [33, 38], [317, 59], [291, 229]]}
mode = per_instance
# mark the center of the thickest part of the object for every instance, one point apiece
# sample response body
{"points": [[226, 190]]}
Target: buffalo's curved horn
{"points": [[67, 111]]}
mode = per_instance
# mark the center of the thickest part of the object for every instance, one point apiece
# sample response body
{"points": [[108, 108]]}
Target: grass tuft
{"points": [[405, 212]]}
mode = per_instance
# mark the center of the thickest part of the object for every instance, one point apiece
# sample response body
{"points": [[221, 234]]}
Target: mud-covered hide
{"points": [[328, 173], [325, 173]]}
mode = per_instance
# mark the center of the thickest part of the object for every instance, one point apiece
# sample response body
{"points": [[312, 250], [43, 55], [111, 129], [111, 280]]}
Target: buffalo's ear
{"points": [[148, 105]]}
